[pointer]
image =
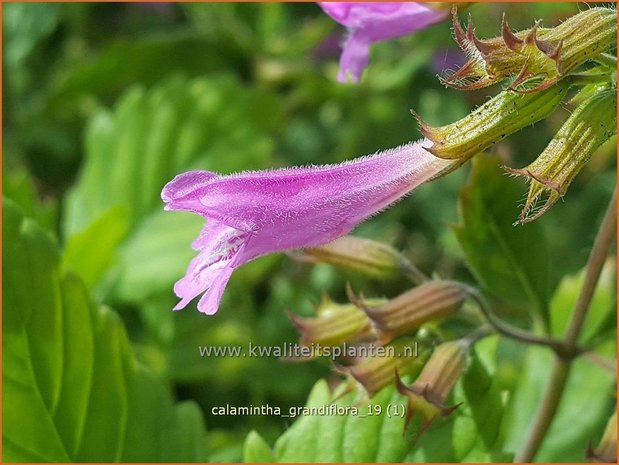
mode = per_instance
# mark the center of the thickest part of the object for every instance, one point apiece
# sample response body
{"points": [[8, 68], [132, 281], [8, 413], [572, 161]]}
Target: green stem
{"points": [[605, 363], [479, 334], [513, 332], [603, 242], [561, 366]]}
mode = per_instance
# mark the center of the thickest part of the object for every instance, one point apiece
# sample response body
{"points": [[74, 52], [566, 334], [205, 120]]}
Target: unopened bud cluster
{"points": [[375, 321], [389, 324], [549, 53], [381, 323]]}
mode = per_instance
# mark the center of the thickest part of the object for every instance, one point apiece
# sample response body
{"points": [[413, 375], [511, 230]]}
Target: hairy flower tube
{"points": [[254, 213], [370, 22]]}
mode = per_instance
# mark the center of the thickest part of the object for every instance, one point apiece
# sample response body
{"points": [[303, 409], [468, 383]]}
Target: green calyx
{"points": [[547, 54], [501, 116], [591, 124]]}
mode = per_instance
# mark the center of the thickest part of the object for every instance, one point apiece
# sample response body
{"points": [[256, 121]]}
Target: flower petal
{"points": [[370, 22], [360, 14], [355, 58], [184, 183], [178, 194], [209, 303], [210, 271]]}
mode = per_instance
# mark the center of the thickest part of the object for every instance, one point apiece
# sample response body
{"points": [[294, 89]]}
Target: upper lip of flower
{"points": [[182, 193]]}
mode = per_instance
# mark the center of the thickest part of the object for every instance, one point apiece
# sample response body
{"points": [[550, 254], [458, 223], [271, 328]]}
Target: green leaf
{"points": [[344, 438], [602, 305], [186, 432], [24, 26], [483, 394], [91, 252], [588, 397], [19, 187], [511, 262], [106, 75], [256, 450], [73, 389]]}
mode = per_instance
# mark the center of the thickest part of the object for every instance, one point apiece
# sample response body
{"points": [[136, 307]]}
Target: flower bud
{"points": [[428, 393], [367, 256], [606, 451], [407, 312], [377, 372], [547, 52], [334, 324], [500, 116], [590, 125]]}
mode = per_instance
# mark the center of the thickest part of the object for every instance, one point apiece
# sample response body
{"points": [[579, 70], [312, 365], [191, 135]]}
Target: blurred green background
{"points": [[105, 103]]}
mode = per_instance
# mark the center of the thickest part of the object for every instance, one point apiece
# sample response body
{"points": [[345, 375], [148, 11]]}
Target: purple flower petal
{"points": [[259, 212], [370, 22], [209, 272], [355, 57], [184, 183]]}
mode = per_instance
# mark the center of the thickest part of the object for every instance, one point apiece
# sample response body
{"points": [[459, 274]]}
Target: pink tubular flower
{"points": [[370, 22], [254, 213]]}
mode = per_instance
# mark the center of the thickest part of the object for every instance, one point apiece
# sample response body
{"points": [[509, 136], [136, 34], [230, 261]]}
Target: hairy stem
{"points": [[561, 366]]}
